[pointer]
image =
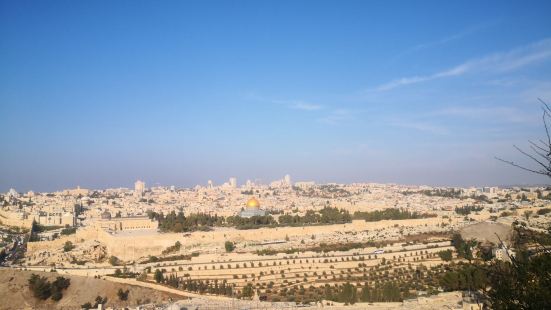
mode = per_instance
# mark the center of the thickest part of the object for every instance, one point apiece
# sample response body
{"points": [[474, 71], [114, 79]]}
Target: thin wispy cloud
{"points": [[447, 39], [420, 126], [498, 63], [336, 117], [291, 104], [305, 106], [501, 114], [459, 70]]}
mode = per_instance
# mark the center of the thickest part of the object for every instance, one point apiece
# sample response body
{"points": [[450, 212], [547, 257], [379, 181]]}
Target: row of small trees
{"points": [[390, 214], [178, 222], [466, 210]]}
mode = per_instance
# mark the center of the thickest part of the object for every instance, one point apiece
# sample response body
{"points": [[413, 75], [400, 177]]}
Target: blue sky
{"points": [[101, 93]]}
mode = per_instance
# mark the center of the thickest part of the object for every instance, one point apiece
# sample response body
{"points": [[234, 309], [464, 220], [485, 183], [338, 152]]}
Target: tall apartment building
{"points": [[139, 188]]}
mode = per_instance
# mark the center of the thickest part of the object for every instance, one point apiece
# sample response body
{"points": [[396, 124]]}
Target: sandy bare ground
{"points": [[14, 292], [488, 232]]}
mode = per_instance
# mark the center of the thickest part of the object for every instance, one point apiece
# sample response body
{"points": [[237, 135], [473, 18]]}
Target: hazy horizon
{"points": [[241, 183], [100, 94]]}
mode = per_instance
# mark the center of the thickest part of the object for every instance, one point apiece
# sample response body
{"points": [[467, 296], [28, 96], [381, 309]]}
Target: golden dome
{"points": [[253, 203]]}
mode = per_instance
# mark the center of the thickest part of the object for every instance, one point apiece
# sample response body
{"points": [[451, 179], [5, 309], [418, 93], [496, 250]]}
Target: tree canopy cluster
{"points": [[525, 283], [463, 248], [328, 191], [98, 301], [466, 210], [390, 214], [229, 246], [323, 247], [446, 255], [173, 248], [68, 230], [43, 289], [200, 286], [468, 277], [123, 295], [68, 246], [327, 215], [388, 292], [251, 222], [522, 283], [178, 222]]}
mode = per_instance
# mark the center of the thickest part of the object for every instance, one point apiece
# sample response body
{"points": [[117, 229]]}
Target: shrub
{"points": [[158, 276], [68, 246], [68, 231], [99, 301], [445, 255], [230, 246], [58, 285], [123, 295], [543, 211], [248, 291], [40, 286], [43, 289], [175, 248], [113, 260]]}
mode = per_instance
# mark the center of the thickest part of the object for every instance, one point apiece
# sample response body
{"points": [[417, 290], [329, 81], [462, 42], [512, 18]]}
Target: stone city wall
{"points": [[132, 245], [9, 219]]}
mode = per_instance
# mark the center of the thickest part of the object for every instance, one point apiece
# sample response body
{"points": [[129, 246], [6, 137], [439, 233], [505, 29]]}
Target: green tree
{"points": [[347, 293], [123, 295], [58, 286], [68, 231], [525, 282], [463, 247], [247, 291], [114, 261], [100, 301], [40, 287], [43, 289], [445, 255], [68, 246], [230, 246], [159, 276], [466, 277]]}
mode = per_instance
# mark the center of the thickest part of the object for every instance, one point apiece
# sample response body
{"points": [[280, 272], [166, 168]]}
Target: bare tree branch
{"points": [[544, 104], [546, 111], [543, 150], [532, 157], [545, 157], [523, 168], [539, 147]]}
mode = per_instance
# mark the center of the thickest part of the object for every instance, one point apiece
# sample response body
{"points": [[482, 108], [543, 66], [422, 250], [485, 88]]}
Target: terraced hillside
{"points": [[399, 272]]}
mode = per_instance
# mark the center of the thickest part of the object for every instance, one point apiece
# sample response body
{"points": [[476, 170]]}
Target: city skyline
{"points": [[359, 92], [139, 186]]}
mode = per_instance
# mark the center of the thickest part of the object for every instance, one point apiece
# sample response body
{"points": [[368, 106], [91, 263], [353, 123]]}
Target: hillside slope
{"points": [[15, 294]]}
